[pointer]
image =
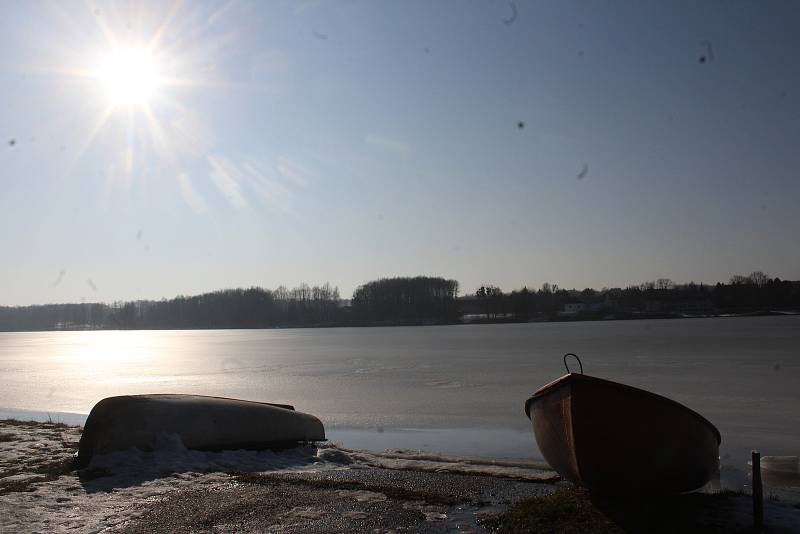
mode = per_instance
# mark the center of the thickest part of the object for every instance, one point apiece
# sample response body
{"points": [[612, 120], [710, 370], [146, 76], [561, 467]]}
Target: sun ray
{"points": [[105, 29], [216, 15], [209, 84], [98, 125], [159, 33], [157, 135]]}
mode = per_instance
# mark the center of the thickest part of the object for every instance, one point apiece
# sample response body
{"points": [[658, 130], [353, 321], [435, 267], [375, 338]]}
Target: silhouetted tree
{"points": [[758, 278], [523, 304], [664, 283], [416, 300]]}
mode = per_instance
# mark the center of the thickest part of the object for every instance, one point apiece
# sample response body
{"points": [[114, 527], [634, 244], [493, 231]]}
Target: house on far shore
{"points": [[574, 307], [586, 302]]}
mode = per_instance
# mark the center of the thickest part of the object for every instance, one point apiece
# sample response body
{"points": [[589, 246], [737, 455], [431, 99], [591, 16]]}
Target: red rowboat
{"points": [[620, 440]]}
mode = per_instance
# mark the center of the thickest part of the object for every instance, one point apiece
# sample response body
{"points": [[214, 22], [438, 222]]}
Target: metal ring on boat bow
{"points": [[574, 356]]}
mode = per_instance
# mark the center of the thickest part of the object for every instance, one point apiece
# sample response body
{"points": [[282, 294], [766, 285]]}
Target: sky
{"points": [[155, 149]]}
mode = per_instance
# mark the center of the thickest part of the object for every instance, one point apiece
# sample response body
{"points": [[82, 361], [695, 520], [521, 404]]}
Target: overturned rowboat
{"points": [[204, 423], [619, 440]]}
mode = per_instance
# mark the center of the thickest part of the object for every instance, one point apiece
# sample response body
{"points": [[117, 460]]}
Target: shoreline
{"points": [[316, 488], [538, 320]]}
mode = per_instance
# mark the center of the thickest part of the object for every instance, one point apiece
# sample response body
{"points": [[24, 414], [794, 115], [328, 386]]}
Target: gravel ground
{"points": [[474, 489], [352, 501]]}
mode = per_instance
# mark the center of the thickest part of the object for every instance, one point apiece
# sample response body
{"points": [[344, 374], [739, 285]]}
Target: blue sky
{"points": [[346, 141]]}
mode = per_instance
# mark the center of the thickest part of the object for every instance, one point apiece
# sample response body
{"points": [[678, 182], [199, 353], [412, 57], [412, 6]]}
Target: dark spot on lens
{"points": [[514, 14]]}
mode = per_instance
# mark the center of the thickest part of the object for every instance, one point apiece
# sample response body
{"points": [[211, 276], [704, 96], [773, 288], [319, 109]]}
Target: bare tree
{"points": [[758, 278], [664, 283]]}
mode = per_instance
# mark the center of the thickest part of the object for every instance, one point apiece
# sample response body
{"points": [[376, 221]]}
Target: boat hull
{"points": [[619, 440], [204, 423]]}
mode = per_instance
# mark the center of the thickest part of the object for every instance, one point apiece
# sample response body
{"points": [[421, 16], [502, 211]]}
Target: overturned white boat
{"points": [[204, 423]]}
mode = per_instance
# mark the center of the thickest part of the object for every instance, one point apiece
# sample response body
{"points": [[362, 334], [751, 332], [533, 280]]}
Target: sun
{"points": [[129, 76], [135, 74]]}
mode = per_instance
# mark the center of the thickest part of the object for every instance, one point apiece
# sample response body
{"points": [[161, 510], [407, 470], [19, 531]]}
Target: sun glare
{"points": [[129, 76], [128, 67]]}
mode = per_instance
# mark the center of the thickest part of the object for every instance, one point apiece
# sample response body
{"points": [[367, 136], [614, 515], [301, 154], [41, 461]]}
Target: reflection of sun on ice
{"points": [[129, 76]]}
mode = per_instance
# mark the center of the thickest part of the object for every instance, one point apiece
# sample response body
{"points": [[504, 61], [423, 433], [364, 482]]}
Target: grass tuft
{"points": [[576, 511], [46, 472], [562, 512], [56, 469], [16, 422], [50, 423]]}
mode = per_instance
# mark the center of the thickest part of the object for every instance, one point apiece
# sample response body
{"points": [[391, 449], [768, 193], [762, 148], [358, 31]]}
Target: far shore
{"points": [[464, 320]]}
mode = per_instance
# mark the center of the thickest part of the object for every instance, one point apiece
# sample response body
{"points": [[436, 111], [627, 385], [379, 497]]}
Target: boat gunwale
{"points": [[184, 396], [565, 379]]}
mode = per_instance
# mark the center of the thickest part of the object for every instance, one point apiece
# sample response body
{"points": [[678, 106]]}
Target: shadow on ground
{"points": [[574, 510], [134, 467]]}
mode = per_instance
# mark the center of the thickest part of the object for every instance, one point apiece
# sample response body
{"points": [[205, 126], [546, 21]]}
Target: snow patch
{"points": [[362, 495], [333, 455], [118, 487]]}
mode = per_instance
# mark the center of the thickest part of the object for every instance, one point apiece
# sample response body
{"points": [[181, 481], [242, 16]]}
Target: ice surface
{"points": [[740, 373]]}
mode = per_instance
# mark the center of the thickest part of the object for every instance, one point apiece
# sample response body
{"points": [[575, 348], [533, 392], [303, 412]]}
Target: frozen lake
{"points": [[451, 389]]}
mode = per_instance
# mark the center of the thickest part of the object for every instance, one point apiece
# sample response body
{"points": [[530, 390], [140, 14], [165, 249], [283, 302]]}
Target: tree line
{"points": [[756, 292], [409, 300], [401, 300], [231, 308]]}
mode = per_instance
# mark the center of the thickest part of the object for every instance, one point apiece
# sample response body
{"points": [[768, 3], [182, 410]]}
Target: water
{"points": [[449, 389]]}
